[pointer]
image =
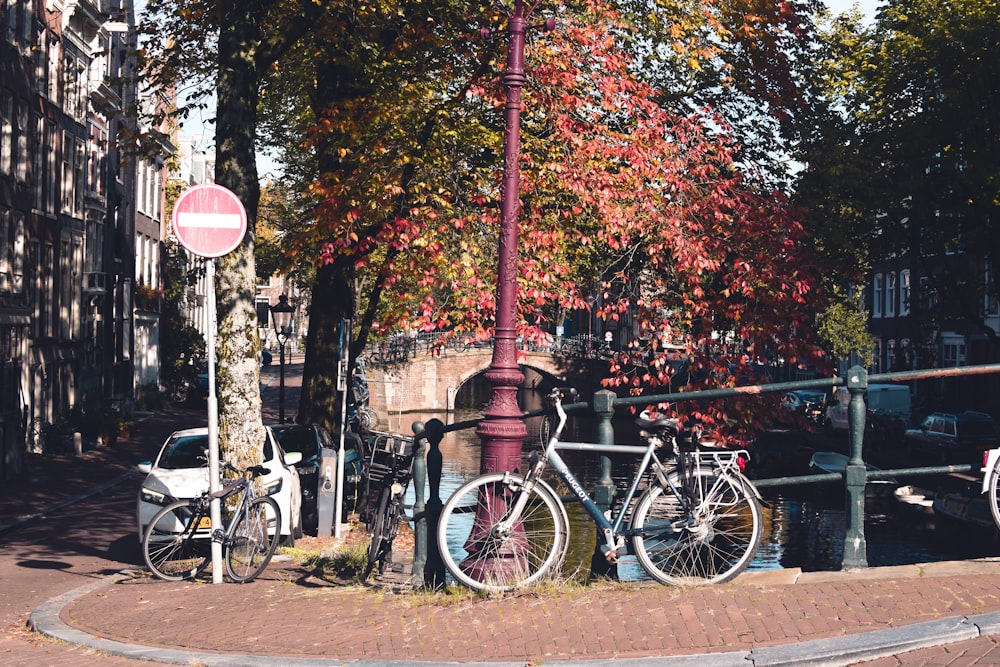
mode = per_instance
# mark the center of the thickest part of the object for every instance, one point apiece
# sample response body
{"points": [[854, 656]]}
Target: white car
{"points": [[180, 471]]}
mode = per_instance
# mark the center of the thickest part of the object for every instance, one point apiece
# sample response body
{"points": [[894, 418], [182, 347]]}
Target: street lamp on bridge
{"points": [[281, 320]]}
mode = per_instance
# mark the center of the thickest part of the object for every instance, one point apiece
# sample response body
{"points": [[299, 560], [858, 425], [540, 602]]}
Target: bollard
{"points": [[604, 490], [855, 549], [434, 568], [77, 443], [420, 519]]}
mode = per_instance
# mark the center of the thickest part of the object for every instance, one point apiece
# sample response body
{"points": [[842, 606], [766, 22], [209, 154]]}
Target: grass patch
{"points": [[344, 563]]}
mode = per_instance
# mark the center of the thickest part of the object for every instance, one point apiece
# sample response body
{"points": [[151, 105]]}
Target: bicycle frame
{"points": [[612, 527]]}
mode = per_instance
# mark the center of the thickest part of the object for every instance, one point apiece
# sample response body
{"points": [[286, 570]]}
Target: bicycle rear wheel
{"points": [[478, 555], [176, 544], [381, 529], [707, 536], [253, 539]]}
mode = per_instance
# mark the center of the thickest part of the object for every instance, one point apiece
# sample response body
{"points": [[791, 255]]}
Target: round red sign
{"points": [[209, 220]]}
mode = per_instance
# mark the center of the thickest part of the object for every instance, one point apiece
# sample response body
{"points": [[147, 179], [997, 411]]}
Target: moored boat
{"points": [[835, 462]]}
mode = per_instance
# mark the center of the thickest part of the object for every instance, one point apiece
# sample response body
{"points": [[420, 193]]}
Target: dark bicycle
{"points": [[389, 470], [177, 543]]}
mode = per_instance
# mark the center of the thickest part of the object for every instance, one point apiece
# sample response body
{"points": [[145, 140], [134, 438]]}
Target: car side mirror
{"points": [[291, 458], [145, 467]]}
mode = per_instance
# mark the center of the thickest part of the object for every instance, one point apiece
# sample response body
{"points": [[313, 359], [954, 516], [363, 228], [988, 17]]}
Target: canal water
{"points": [[804, 526]]}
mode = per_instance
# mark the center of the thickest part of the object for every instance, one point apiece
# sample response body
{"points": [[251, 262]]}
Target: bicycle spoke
{"points": [[253, 539], [171, 546], [480, 555], [711, 543]]}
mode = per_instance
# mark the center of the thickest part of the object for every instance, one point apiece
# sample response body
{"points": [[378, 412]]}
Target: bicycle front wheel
{"points": [[253, 539], [706, 535], [177, 543], [479, 554], [994, 491]]}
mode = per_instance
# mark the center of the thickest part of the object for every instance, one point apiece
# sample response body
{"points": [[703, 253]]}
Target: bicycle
{"points": [[991, 481], [389, 470], [698, 521], [177, 542]]}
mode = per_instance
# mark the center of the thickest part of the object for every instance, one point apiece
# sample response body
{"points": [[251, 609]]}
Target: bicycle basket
{"points": [[390, 452]]}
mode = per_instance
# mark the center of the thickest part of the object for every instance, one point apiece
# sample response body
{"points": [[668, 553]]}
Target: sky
{"points": [[867, 7]]}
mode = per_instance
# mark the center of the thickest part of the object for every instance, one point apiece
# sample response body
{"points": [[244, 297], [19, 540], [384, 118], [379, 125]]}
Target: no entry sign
{"points": [[209, 220]]}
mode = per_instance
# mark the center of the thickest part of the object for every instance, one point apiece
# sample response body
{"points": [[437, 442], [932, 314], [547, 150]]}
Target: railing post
{"points": [[604, 491], [855, 549], [420, 519], [434, 567]]}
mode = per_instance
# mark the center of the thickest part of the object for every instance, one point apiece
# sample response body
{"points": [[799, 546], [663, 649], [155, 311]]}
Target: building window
{"points": [[890, 355], [928, 293], [21, 157], [905, 354], [878, 296], [17, 256], [6, 133], [5, 225], [953, 354], [890, 294], [990, 302], [904, 292]]}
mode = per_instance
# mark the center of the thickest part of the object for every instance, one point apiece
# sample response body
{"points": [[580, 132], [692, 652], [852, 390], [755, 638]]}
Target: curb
{"points": [[830, 652]]}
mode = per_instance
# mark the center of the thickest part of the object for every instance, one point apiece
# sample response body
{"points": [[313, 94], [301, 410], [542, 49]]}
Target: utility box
{"points": [[326, 491]]}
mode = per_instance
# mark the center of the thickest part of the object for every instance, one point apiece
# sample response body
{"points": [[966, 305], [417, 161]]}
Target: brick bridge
{"points": [[430, 382]]}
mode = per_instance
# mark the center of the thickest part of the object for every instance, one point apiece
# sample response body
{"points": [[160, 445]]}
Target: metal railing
{"points": [[429, 571], [402, 349]]}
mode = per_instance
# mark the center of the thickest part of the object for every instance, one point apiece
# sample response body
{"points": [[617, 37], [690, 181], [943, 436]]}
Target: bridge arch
{"points": [[431, 382]]}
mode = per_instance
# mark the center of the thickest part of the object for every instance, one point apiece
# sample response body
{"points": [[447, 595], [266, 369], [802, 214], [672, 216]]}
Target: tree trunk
{"points": [[240, 427], [332, 301]]}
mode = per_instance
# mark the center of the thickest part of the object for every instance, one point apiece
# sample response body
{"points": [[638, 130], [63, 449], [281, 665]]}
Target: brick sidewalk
{"points": [[290, 613]]}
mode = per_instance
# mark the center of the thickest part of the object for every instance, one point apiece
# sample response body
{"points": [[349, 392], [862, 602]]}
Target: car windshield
{"points": [[296, 439], [186, 451]]}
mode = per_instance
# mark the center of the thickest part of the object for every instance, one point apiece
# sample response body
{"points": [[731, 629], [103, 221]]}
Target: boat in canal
{"points": [[915, 498], [834, 462]]}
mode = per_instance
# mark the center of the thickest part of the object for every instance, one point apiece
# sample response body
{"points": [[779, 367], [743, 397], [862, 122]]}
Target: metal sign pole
{"points": [[210, 221], [215, 508], [342, 373]]}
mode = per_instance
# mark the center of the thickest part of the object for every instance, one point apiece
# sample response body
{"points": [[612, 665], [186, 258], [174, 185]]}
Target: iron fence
{"points": [[428, 570]]}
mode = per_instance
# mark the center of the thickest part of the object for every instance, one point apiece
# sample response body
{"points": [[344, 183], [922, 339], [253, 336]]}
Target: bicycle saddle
{"points": [[669, 426]]}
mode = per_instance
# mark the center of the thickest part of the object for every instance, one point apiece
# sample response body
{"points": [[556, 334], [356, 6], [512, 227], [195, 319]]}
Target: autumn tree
{"points": [[223, 47], [621, 194]]}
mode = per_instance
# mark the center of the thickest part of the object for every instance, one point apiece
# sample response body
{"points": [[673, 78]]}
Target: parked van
{"points": [[887, 401]]}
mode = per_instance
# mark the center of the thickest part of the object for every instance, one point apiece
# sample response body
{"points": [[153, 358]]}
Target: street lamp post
{"points": [[502, 430], [281, 319]]}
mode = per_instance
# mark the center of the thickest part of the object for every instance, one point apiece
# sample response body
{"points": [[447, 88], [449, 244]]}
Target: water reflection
{"points": [[804, 529]]}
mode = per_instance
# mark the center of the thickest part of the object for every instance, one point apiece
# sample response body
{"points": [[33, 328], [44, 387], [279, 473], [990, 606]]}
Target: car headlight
{"points": [[273, 487], [153, 497]]}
